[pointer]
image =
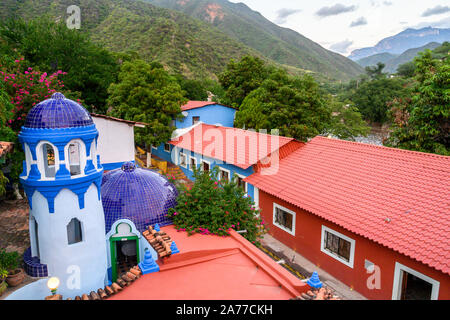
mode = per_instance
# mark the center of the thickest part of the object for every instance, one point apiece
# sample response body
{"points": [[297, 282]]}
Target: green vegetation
{"points": [[422, 122], [282, 45], [269, 98], [214, 207], [147, 93], [45, 45]]}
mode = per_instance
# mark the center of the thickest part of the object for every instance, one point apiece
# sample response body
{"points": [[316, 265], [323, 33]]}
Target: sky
{"points": [[345, 25]]}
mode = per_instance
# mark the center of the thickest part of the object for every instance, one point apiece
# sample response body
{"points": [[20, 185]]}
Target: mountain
{"points": [[408, 55], [407, 39], [282, 45], [392, 61], [374, 59], [182, 44]]}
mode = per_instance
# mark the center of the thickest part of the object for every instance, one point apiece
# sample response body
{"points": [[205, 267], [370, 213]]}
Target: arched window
{"points": [[48, 154], [74, 231], [74, 158]]}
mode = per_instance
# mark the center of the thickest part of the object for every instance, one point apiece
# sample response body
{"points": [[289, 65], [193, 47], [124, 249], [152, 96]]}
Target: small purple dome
{"points": [[58, 112], [140, 195]]}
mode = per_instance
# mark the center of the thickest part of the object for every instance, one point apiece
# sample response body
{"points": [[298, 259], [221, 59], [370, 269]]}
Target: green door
{"points": [[113, 247]]}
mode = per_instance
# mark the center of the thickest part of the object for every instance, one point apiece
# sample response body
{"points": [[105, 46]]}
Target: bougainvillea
{"points": [[214, 207], [27, 87]]}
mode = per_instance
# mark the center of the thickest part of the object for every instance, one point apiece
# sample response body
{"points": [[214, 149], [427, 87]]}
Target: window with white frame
{"points": [[224, 174], [49, 160], [166, 147], [240, 182], [192, 163], [205, 165], [284, 218], [338, 246], [183, 160]]}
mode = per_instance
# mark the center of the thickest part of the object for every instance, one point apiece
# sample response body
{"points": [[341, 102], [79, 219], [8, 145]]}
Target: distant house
{"points": [[206, 112], [376, 218], [232, 150], [116, 140]]}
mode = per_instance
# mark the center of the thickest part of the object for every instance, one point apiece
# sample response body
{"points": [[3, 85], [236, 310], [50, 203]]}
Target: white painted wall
{"points": [[89, 255], [115, 141]]}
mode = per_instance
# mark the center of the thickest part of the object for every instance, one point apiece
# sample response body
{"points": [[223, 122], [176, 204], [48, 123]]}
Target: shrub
{"points": [[211, 206], [9, 260]]}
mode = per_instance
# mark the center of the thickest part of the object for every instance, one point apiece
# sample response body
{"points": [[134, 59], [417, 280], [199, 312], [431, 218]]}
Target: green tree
{"points": [[422, 123], [293, 105], [147, 93], [242, 77], [214, 207], [376, 72], [406, 70], [6, 133], [372, 97], [194, 89], [50, 46]]}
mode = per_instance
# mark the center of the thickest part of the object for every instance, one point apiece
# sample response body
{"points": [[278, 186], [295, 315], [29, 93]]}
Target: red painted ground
{"points": [[214, 268]]}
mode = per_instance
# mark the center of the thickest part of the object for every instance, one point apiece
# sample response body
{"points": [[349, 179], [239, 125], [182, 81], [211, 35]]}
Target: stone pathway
{"points": [[306, 267]]}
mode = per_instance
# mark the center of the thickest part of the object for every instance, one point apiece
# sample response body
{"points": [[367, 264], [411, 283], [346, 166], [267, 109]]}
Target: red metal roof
{"points": [[360, 186], [239, 147], [211, 267], [198, 104]]}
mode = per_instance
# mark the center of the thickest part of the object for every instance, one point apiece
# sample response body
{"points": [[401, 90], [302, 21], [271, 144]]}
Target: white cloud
{"points": [[338, 8], [435, 10], [341, 47], [283, 14]]}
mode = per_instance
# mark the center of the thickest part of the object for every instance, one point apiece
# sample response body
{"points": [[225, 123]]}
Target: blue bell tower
{"points": [[62, 176]]}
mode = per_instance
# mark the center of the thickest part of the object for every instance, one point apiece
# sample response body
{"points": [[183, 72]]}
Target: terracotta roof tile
{"points": [[221, 143], [358, 186]]}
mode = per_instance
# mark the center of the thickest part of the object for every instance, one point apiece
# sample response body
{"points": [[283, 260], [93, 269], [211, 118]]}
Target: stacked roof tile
{"points": [[397, 198]]}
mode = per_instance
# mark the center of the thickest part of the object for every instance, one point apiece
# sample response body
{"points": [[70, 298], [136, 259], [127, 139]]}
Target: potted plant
{"points": [[10, 262], [3, 275]]}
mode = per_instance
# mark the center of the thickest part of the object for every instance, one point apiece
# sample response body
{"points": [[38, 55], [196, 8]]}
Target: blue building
{"points": [[234, 151], [206, 112]]}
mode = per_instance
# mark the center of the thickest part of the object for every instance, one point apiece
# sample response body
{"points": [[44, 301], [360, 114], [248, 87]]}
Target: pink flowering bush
{"points": [[27, 87], [214, 207]]}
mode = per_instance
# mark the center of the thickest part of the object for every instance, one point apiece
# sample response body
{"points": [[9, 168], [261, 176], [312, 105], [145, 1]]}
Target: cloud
{"points": [[358, 22], [436, 10], [442, 23], [284, 13], [334, 10], [341, 47], [387, 3]]}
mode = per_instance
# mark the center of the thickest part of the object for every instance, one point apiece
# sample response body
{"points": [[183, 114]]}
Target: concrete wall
{"points": [[307, 242], [85, 261], [211, 114], [115, 142]]}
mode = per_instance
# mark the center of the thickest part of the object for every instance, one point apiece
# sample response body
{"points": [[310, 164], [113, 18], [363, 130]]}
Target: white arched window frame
{"points": [[28, 158], [75, 156], [47, 167], [94, 153]]}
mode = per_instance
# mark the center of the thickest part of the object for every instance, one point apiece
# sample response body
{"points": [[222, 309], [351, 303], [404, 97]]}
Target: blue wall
{"points": [[210, 114], [213, 162]]}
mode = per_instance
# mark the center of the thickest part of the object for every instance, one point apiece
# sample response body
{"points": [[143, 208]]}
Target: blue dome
{"points": [[140, 195], [58, 112]]}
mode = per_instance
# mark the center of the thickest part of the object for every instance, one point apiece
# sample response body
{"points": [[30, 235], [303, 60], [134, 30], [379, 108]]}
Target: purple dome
{"points": [[58, 112], [140, 195]]}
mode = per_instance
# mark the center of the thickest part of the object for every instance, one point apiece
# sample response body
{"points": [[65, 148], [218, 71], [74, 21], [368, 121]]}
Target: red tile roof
{"points": [[360, 186], [211, 267], [5, 147], [198, 104], [222, 143]]}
